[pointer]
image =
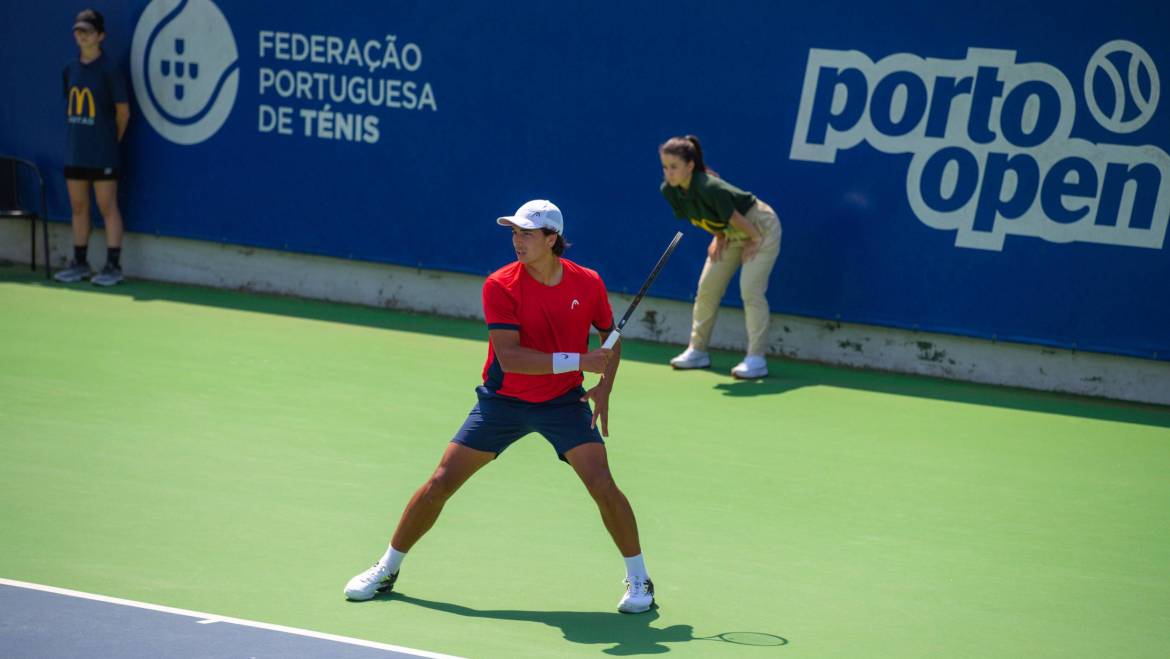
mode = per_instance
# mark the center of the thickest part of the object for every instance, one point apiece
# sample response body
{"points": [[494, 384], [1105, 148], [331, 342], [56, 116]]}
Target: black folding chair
{"points": [[17, 177]]}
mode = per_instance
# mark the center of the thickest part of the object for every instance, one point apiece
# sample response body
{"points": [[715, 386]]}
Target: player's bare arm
{"points": [[515, 358]]}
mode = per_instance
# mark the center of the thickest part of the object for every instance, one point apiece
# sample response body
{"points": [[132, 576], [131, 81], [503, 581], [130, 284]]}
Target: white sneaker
{"points": [[639, 595], [366, 585], [752, 366], [691, 358]]}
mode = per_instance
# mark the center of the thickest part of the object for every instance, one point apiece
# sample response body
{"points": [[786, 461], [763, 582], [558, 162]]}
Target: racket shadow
{"points": [[758, 639]]}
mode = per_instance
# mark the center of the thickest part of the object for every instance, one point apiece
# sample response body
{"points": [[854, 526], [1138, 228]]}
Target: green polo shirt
{"points": [[709, 203]]}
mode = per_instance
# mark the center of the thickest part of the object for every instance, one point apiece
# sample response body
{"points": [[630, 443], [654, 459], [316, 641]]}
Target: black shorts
{"points": [[91, 173], [497, 421]]}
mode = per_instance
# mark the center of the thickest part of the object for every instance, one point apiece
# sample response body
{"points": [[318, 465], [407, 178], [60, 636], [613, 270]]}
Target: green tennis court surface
{"points": [[245, 455]]}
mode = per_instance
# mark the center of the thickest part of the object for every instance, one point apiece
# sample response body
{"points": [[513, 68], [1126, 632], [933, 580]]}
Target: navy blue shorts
{"points": [[91, 174], [497, 421]]}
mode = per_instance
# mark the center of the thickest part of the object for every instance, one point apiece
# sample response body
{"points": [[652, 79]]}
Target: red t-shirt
{"points": [[549, 319]]}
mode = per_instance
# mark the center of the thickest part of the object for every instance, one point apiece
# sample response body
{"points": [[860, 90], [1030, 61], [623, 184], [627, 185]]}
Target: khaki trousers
{"points": [[753, 283]]}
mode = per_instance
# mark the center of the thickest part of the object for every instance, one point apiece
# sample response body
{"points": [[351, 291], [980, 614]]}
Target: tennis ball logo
{"points": [[1139, 87], [185, 68]]}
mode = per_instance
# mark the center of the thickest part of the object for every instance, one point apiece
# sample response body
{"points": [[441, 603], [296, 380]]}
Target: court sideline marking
{"points": [[205, 618]]}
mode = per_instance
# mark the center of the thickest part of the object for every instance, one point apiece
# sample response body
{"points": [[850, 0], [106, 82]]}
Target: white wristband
{"points": [[565, 362]]}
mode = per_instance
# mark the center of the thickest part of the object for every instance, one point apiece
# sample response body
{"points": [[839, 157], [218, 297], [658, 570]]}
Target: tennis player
{"points": [[745, 233], [539, 310]]}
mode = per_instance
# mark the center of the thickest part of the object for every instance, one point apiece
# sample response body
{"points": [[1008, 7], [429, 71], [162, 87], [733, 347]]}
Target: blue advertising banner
{"points": [[996, 170]]}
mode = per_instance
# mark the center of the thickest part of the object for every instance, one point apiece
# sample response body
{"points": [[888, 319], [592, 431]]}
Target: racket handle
{"points": [[611, 340]]}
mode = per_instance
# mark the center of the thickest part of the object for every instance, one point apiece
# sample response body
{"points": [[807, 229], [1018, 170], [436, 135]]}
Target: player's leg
{"points": [[456, 466], [592, 466], [566, 423], [713, 283], [492, 425], [79, 205], [753, 287], [106, 193]]}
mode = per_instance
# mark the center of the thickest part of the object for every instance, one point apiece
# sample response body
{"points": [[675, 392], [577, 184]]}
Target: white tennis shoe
{"points": [[366, 585], [639, 595], [691, 358], [752, 366]]}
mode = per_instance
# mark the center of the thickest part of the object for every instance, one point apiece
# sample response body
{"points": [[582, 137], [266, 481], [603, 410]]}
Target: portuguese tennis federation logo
{"points": [[185, 68]]}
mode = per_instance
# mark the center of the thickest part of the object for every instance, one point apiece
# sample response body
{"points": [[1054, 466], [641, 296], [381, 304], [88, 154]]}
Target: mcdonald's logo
{"points": [[78, 98]]}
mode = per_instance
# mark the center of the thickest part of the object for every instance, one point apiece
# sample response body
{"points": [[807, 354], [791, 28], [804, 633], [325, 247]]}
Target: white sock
{"points": [[635, 567], [393, 559]]}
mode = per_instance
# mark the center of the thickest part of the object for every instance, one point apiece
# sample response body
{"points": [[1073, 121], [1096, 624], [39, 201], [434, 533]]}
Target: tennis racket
{"points": [[617, 331]]}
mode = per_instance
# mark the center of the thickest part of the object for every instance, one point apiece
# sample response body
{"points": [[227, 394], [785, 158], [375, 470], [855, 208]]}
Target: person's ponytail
{"points": [[686, 148], [700, 166]]}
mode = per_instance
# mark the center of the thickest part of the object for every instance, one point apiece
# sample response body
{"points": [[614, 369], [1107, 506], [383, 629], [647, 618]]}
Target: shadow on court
{"points": [[786, 375], [627, 634]]}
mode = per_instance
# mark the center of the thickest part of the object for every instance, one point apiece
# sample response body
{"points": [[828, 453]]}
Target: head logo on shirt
{"points": [[81, 105], [574, 304], [185, 68]]}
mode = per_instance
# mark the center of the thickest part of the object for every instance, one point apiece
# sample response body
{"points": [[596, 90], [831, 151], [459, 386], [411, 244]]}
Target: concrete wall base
{"points": [[668, 321]]}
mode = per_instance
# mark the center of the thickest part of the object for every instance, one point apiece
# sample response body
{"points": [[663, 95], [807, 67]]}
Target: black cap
{"points": [[91, 19]]}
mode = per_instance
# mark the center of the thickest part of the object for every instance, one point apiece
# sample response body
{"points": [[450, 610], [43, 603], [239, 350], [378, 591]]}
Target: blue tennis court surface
{"points": [[37, 622]]}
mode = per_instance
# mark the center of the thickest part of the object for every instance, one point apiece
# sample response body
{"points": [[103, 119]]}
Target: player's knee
{"points": [[601, 485], [439, 488]]}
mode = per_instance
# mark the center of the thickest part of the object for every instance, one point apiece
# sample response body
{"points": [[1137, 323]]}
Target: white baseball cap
{"points": [[536, 214]]}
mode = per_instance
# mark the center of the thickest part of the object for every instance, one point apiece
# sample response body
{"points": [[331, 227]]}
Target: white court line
{"points": [[209, 618]]}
